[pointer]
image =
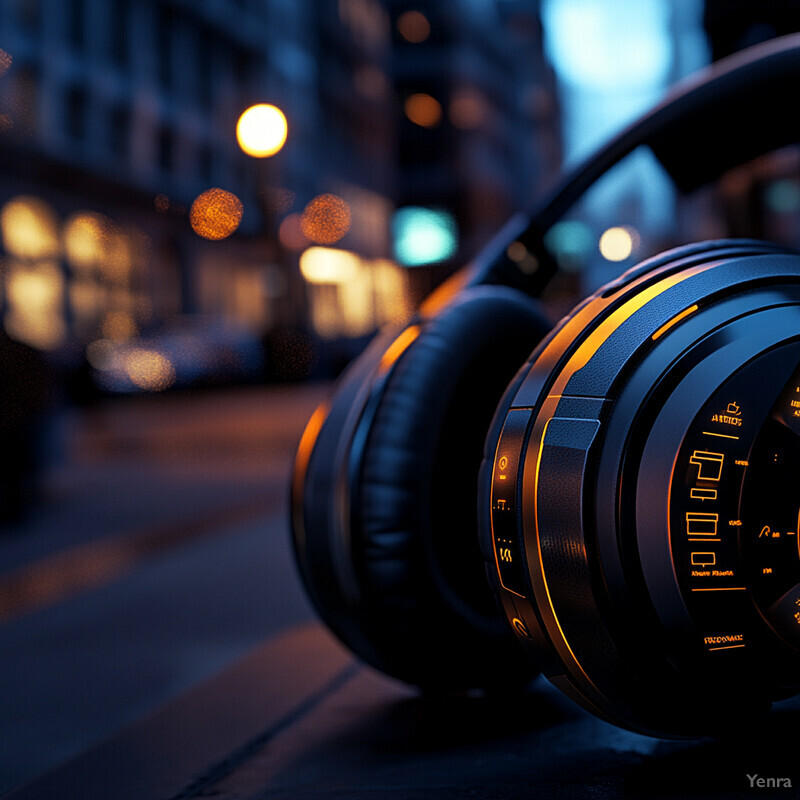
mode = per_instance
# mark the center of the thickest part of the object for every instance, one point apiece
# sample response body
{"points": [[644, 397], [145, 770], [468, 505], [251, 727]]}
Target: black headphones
{"points": [[635, 477]]}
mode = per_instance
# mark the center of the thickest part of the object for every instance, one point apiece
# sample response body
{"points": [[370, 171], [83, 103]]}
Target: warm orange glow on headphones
{"points": [[613, 475]]}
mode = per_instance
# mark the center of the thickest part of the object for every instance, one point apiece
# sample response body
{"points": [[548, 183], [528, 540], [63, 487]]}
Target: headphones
{"points": [[627, 480]]}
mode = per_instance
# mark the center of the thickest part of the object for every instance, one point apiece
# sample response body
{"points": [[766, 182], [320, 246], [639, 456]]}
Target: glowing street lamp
{"points": [[262, 130]]}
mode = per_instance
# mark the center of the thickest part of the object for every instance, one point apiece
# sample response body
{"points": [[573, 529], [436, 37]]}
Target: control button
{"points": [[703, 559], [709, 464], [732, 416], [701, 523], [505, 536], [703, 494], [521, 628]]}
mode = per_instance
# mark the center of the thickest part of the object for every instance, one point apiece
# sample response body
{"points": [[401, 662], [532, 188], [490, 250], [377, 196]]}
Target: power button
{"points": [[505, 503]]}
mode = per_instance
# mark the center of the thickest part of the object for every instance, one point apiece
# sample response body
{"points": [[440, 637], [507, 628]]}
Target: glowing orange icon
{"points": [[701, 524], [709, 464], [703, 494], [520, 627]]}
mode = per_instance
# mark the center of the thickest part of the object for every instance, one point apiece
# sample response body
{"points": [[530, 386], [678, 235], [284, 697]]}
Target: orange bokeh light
{"points": [[291, 233], [326, 219], [150, 370], [423, 110], [467, 110], [216, 214], [413, 26]]}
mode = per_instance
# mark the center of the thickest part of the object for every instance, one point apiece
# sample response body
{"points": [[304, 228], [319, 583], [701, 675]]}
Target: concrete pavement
{"points": [[208, 598], [159, 556]]}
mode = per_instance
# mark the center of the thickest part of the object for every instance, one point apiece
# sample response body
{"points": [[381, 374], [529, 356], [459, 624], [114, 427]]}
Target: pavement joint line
{"points": [[219, 771], [59, 577]]}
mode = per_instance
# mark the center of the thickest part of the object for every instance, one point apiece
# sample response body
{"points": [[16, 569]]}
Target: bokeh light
{"points": [[149, 370], [616, 244], [371, 82], [467, 109], [291, 233], [100, 354], [423, 110], [413, 26], [215, 214], [29, 228], [118, 326], [329, 265], [326, 219], [571, 242], [262, 130], [783, 196], [423, 235], [161, 202], [35, 299], [85, 239]]}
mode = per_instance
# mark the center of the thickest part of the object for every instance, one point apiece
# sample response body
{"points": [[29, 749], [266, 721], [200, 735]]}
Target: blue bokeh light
{"points": [[423, 235]]}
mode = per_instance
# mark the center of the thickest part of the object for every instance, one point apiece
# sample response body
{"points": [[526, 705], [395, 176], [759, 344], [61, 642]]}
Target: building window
{"points": [[29, 15], [205, 165], [119, 131], [75, 112], [24, 101], [120, 18], [205, 69], [166, 150], [76, 22], [165, 31]]}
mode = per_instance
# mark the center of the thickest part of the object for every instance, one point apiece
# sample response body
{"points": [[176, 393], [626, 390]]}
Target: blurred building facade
{"points": [[477, 120], [117, 115], [760, 199], [613, 62]]}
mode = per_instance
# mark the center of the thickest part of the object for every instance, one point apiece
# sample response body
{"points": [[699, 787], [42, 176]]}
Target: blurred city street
{"points": [[158, 555], [207, 211]]}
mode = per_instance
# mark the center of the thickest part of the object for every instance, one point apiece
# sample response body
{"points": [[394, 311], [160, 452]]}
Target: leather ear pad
{"points": [[427, 607]]}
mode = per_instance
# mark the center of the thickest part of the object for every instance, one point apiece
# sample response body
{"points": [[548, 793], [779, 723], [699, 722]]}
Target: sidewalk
{"points": [[137, 462], [161, 556], [299, 719]]}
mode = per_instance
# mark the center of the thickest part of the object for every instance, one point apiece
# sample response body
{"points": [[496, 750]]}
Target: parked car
{"points": [[192, 351]]}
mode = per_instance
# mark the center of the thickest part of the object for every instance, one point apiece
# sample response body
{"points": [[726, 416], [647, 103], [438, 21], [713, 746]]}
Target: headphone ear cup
{"points": [[425, 606]]}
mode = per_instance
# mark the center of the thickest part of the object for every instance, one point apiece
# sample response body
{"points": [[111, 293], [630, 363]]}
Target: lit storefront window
{"points": [[68, 280], [351, 296], [34, 284], [34, 295], [30, 228]]}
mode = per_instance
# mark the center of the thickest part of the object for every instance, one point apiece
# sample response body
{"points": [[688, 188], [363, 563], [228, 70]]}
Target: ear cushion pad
{"points": [[427, 608]]}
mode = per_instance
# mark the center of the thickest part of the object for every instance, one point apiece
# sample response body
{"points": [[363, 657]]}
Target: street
{"points": [[158, 556]]}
